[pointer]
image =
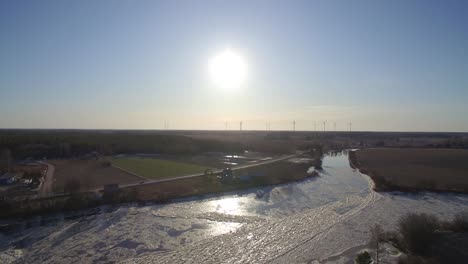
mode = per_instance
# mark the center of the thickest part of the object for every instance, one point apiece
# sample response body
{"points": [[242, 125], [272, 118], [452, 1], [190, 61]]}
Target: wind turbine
{"points": [[324, 124]]}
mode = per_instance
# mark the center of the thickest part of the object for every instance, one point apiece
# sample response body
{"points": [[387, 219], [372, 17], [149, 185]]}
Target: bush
{"points": [[76, 201], [415, 260], [459, 223], [363, 258], [106, 163], [426, 240], [417, 231]]}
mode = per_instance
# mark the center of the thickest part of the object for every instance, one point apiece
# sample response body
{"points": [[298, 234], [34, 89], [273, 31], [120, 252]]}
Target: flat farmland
{"points": [[91, 174], [153, 168], [415, 169]]}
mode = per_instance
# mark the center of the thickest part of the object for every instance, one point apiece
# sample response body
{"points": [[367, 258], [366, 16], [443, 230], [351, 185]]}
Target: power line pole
{"points": [[334, 126], [294, 125], [350, 125], [324, 124]]}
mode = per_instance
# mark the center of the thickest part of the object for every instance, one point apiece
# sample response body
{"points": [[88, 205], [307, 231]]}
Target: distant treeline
{"points": [[72, 143]]}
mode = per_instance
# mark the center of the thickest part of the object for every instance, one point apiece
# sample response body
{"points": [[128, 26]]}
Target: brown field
{"points": [[415, 169], [91, 174]]}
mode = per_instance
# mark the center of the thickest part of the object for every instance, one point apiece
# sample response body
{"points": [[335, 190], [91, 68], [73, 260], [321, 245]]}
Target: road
{"points": [[46, 187], [214, 172]]}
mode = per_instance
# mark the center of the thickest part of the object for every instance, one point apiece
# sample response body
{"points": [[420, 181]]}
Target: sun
{"points": [[228, 69]]}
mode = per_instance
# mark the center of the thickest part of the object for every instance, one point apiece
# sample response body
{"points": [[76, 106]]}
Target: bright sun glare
{"points": [[228, 69]]}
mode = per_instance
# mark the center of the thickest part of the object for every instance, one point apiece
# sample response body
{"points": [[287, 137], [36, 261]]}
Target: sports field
{"points": [[152, 168]]}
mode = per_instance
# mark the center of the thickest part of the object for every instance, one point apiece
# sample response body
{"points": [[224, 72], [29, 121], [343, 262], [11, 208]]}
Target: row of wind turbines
{"points": [[268, 126], [227, 125]]}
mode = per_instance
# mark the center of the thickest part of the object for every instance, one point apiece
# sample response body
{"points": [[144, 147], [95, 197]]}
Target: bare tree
{"points": [[377, 236], [6, 159]]}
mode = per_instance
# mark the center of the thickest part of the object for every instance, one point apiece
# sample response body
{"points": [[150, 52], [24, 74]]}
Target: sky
{"points": [[397, 65]]}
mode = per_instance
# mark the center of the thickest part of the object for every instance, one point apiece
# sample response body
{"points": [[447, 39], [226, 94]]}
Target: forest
{"points": [[35, 144]]}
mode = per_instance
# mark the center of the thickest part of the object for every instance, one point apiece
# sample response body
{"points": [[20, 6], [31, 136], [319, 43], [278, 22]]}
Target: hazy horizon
{"points": [[384, 66]]}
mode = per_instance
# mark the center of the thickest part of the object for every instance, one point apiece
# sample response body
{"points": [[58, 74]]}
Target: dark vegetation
{"points": [[426, 239], [363, 258], [73, 143], [21, 143], [288, 141], [414, 169], [71, 201]]}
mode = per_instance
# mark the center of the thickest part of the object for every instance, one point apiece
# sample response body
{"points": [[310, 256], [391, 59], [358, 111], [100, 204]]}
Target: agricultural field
{"points": [[415, 169], [90, 174], [153, 168]]}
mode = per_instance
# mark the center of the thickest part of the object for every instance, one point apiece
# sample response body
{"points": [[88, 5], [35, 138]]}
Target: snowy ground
{"points": [[320, 220]]}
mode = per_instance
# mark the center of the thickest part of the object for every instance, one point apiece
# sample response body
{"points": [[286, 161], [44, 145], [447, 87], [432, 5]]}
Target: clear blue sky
{"points": [[384, 65]]}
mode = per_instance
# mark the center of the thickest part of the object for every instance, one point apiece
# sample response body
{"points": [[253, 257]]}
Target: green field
{"points": [[157, 168]]}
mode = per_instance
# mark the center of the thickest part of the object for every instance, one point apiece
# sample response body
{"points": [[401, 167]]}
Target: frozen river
{"points": [[322, 219]]}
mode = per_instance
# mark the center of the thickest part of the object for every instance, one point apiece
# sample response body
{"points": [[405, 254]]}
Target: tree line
{"points": [[64, 144]]}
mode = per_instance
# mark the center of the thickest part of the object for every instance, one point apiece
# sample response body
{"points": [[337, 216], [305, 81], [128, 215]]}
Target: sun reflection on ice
{"points": [[228, 205], [220, 228]]}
